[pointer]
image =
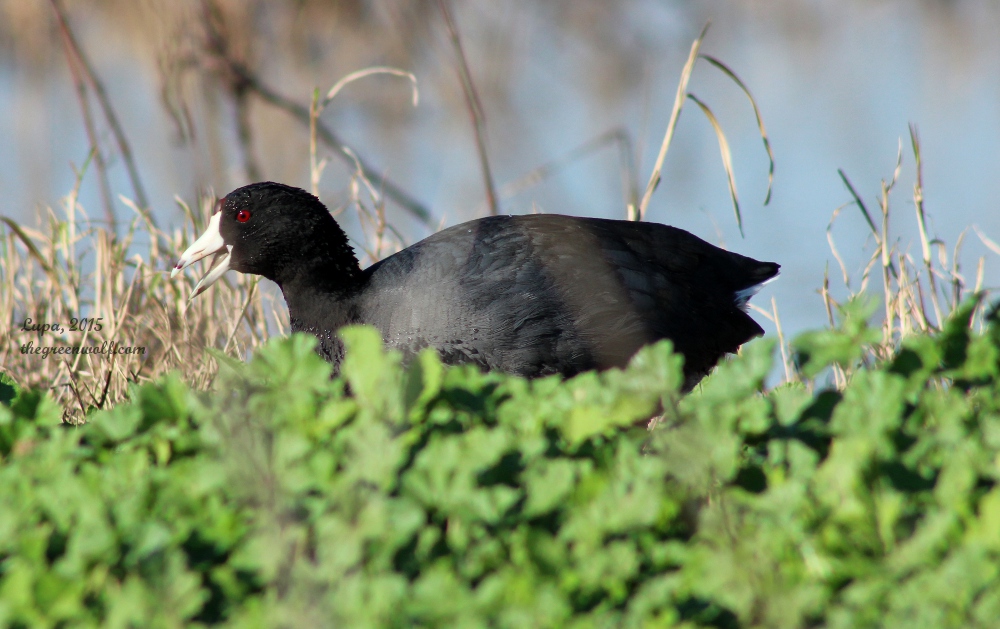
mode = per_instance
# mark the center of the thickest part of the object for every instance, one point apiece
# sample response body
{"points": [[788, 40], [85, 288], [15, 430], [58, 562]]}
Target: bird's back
{"points": [[541, 294]]}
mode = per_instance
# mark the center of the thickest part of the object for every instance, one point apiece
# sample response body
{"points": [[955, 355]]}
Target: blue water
{"points": [[837, 84]]}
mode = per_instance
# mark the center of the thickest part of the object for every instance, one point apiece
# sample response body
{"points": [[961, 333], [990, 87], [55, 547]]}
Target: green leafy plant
{"points": [[435, 496]]}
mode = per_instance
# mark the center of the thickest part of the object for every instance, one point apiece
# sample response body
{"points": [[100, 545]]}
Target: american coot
{"points": [[529, 295]]}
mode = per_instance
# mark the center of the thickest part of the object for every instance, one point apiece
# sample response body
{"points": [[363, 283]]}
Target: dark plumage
{"points": [[529, 295]]}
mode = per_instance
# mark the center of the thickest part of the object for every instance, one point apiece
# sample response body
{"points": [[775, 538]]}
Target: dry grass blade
{"points": [[918, 197], [360, 175], [772, 316], [760, 120], [317, 106], [239, 317], [245, 134], [32, 249], [80, 88], [124, 149], [188, 214], [374, 217], [958, 280], [990, 244], [786, 361], [654, 179], [157, 237], [727, 157], [836, 255], [315, 166], [887, 262], [475, 108], [360, 74], [925, 242], [857, 200]]}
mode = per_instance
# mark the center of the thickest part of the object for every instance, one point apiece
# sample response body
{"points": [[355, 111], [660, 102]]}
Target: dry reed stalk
{"points": [[907, 285], [118, 295], [474, 105], [675, 114], [724, 151]]}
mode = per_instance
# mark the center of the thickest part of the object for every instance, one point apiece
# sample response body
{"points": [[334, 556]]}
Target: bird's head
{"points": [[273, 230]]}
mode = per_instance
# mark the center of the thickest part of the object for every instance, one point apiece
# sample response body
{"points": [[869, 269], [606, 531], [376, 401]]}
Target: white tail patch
{"points": [[743, 296]]}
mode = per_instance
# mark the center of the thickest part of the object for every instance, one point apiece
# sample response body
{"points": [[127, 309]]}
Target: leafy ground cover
{"points": [[433, 496]]}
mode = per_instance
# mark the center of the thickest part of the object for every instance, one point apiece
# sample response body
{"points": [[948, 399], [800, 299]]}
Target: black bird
{"points": [[528, 295]]}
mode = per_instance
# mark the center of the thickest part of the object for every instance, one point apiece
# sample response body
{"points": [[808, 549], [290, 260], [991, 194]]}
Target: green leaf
{"points": [[422, 382], [117, 424], [291, 362], [8, 389], [233, 365], [548, 482], [843, 346], [789, 402], [374, 374]]}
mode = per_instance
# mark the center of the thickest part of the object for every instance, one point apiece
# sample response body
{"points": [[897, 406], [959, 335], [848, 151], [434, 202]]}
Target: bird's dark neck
{"points": [[321, 302], [321, 293], [320, 264], [320, 277], [320, 280]]}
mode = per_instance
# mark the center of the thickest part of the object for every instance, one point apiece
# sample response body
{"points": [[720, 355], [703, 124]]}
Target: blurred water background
{"points": [[837, 82]]}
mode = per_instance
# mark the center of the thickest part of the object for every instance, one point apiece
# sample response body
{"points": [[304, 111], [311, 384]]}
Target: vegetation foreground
{"points": [[433, 496]]}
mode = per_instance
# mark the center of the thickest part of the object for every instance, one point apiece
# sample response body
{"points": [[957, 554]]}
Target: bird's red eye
{"points": [[243, 216]]}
